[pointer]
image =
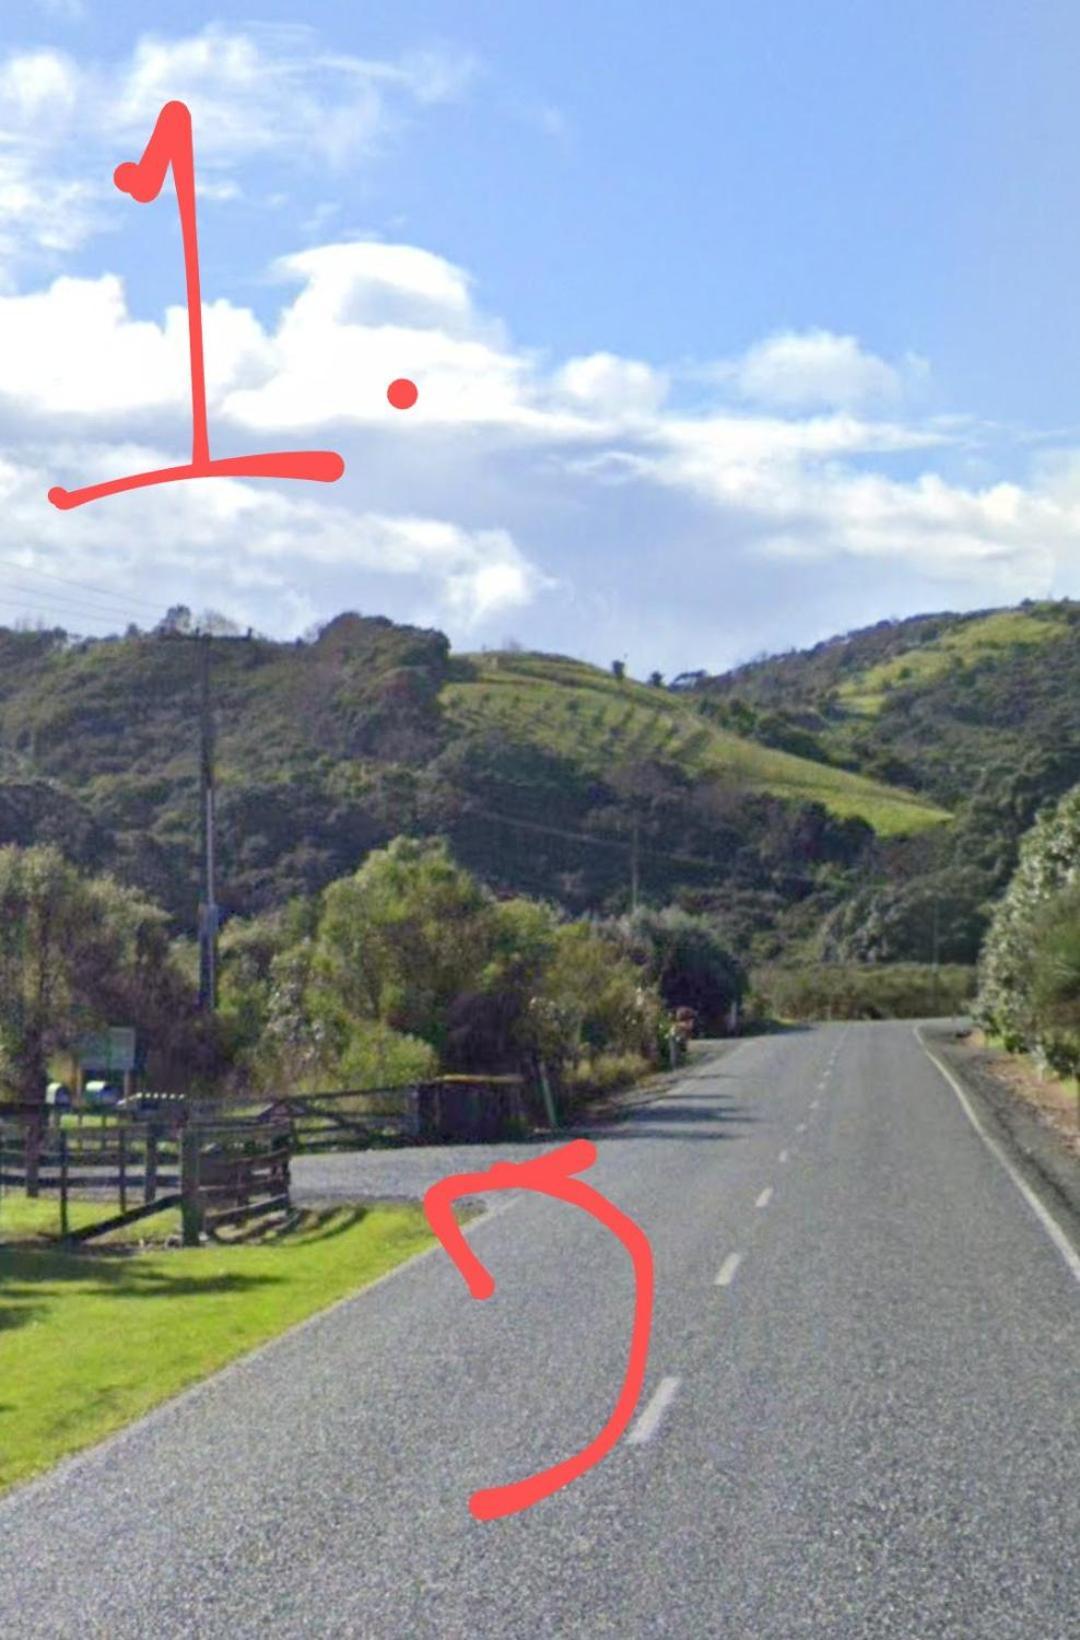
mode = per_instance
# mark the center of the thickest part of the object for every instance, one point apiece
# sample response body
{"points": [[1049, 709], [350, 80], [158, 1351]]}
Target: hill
{"points": [[593, 719], [547, 775], [978, 712], [934, 702]]}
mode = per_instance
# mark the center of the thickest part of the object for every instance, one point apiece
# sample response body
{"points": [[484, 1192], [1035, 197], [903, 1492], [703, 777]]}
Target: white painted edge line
{"points": [[765, 1197], [726, 1273], [649, 1422], [783, 1155], [1045, 1218]]}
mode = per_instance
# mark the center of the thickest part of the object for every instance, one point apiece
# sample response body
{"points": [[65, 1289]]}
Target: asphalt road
{"points": [[859, 1419]]}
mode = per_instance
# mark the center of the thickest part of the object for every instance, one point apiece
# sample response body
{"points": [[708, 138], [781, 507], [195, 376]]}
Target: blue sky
{"points": [[734, 325]]}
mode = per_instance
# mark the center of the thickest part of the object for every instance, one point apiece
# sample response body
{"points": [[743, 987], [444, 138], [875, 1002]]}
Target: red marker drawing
{"points": [[550, 1175], [171, 144]]}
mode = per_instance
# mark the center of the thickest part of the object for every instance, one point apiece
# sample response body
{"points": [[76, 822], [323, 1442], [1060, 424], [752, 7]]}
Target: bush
{"points": [[376, 1056], [1049, 864], [1055, 983], [595, 1075], [902, 990], [684, 957]]}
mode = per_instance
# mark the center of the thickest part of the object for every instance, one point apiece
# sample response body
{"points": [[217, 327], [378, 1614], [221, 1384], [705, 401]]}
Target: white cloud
{"points": [[258, 550], [516, 483], [267, 89], [613, 386], [805, 370]]}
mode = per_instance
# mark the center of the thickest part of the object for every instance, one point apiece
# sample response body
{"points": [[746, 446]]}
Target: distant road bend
{"points": [[860, 1418]]}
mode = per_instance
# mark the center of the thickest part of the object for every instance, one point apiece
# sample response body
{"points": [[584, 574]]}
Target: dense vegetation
{"points": [[875, 991], [979, 712], [547, 777], [1029, 994], [406, 967], [794, 814]]}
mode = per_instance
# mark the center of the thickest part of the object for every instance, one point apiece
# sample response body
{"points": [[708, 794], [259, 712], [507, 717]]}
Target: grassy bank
{"points": [[90, 1341]]}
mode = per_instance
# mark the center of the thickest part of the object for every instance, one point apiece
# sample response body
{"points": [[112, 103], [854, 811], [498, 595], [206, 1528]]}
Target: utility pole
{"points": [[208, 911], [634, 846], [934, 956]]}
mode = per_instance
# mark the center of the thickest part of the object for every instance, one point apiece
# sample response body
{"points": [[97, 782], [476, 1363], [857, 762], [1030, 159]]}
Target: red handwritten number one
{"points": [[171, 144]]}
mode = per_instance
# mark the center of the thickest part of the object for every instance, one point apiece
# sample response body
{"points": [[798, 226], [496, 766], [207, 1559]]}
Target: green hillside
{"points": [[547, 776], [593, 720], [934, 703], [977, 712]]}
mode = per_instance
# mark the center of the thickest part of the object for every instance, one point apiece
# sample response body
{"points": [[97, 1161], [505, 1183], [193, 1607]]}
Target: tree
{"points": [[686, 959], [656, 680], [401, 939], [618, 670], [77, 953], [1055, 980], [1049, 863], [177, 618]]}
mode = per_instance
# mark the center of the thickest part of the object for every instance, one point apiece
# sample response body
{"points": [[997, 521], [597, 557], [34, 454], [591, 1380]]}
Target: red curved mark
{"points": [[549, 1175], [171, 144]]}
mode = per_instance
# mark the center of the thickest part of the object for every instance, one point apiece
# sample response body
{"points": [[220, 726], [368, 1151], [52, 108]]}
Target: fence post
{"points": [[121, 1145], [150, 1163], [549, 1103], [190, 1205], [32, 1153], [63, 1184]]}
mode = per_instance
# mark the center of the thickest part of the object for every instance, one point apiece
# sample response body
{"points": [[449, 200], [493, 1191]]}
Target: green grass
{"points": [[22, 1217], [585, 715], [865, 692], [91, 1340]]}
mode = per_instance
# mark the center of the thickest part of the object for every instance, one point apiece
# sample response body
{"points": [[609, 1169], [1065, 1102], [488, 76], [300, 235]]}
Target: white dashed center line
{"points": [[765, 1197], [649, 1422], [783, 1155], [801, 1127], [727, 1270]]}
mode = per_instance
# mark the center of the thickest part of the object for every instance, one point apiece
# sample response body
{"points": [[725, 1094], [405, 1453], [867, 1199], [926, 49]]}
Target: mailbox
{"points": [[101, 1095]]}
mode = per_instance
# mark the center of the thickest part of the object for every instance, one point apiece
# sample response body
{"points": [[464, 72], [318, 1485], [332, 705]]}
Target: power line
{"points": [[70, 581], [587, 837], [53, 603]]}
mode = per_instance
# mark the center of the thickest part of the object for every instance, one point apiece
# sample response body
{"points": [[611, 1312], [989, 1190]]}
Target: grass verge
{"points": [[93, 1339]]}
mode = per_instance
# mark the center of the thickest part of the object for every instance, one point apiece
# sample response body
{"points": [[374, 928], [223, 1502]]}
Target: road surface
{"points": [[859, 1419]]}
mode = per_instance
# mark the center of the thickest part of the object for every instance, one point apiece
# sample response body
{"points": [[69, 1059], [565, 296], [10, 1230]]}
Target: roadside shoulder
{"points": [[703, 1052], [1036, 1149]]}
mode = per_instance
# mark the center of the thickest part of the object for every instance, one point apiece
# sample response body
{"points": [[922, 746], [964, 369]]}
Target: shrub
{"points": [[595, 1075], [901, 990], [376, 1056], [1049, 864]]}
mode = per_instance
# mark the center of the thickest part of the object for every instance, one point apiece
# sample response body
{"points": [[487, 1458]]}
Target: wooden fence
{"points": [[232, 1172], [448, 1109], [216, 1171]]}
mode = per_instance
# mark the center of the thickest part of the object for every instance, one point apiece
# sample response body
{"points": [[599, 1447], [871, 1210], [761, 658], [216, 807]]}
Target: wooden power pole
{"points": [[208, 911], [635, 847]]}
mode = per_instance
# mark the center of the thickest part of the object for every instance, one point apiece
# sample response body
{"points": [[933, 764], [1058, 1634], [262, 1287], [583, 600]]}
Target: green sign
{"points": [[112, 1050]]}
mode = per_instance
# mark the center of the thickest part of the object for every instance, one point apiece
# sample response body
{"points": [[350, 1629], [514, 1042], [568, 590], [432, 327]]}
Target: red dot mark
{"points": [[403, 393]]}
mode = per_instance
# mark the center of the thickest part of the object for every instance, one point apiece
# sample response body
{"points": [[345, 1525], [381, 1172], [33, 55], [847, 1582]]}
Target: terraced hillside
{"points": [[941, 704], [590, 718], [547, 776]]}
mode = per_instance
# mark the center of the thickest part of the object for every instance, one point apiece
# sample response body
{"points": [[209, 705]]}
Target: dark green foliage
{"points": [[874, 991], [685, 957]]}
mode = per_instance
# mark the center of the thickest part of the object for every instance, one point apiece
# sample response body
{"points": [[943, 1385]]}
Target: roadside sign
{"points": [[109, 1050]]}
